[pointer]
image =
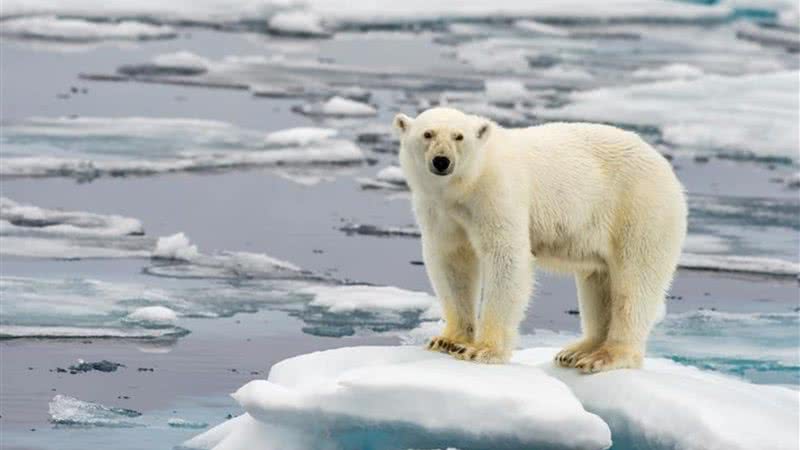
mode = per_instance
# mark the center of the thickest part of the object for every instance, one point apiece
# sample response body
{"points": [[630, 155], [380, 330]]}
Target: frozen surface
{"points": [[390, 177], [31, 231], [667, 405], [298, 23], [758, 118], [80, 30], [153, 316], [341, 394], [78, 147], [338, 399], [66, 410], [339, 107]]}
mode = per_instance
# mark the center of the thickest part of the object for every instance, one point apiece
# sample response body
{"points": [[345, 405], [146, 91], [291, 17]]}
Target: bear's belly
{"points": [[558, 259]]}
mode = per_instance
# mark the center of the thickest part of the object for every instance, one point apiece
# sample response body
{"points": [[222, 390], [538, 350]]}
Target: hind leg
{"points": [[594, 298], [637, 302]]}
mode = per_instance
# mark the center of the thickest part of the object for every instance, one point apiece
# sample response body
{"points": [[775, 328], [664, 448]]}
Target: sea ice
{"points": [[390, 177], [153, 316], [300, 136], [668, 72], [667, 405], [80, 30], [298, 23], [759, 119], [66, 410], [79, 147], [405, 397], [338, 107], [31, 231], [375, 299], [505, 91]]}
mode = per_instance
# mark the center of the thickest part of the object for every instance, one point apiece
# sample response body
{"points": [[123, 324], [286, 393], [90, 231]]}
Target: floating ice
{"points": [[100, 366], [183, 60], [42, 307], [782, 37], [300, 136], [31, 231], [373, 299], [373, 230], [153, 316], [743, 264], [66, 410], [79, 147], [177, 422], [345, 14], [666, 405], [80, 30], [505, 91], [759, 119], [298, 23], [338, 107], [668, 72], [405, 397], [177, 247], [390, 177]]}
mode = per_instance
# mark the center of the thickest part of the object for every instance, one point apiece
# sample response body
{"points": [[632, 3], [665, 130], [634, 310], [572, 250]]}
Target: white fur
{"points": [[588, 199]]}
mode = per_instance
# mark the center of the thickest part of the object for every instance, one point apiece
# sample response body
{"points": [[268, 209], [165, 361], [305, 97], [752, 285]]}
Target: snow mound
{"points": [[177, 247], [666, 405], [66, 410], [298, 23], [153, 316], [759, 119], [80, 30], [339, 398], [78, 147], [338, 107]]}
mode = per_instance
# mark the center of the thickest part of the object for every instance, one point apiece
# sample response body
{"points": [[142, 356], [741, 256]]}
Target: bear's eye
{"points": [[458, 137], [427, 135]]}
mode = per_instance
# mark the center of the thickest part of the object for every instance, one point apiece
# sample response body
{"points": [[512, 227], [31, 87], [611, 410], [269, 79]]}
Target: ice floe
{"points": [[505, 91], [78, 147], [390, 177], [153, 316], [79, 30], [298, 23], [342, 396], [338, 107], [390, 397], [670, 71], [31, 231], [759, 119], [66, 410]]}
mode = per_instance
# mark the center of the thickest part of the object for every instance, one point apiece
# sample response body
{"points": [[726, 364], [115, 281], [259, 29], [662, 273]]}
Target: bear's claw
{"points": [[445, 345], [609, 357]]}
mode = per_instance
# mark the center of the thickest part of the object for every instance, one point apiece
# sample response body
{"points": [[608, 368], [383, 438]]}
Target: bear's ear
{"points": [[401, 123], [484, 130]]}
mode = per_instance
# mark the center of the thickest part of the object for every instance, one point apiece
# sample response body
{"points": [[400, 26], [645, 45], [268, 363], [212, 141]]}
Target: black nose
{"points": [[441, 163]]}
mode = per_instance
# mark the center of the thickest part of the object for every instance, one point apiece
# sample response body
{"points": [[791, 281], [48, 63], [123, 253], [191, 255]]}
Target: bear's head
{"points": [[441, 142]]}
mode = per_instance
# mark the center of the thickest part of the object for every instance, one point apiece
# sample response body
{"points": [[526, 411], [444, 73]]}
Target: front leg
{"points": [[507, 270], [454, 273]]}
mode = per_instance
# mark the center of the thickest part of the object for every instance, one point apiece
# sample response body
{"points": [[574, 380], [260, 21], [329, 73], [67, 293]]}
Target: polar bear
{"points": [[493, 203]]}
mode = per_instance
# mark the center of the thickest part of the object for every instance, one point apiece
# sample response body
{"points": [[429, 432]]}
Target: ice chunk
{"points": [[347, 299], [100, 366], [177, 422], [177, 247], [390, 177], [760, 120], [338, 107], [80, 30], [374, 230], [298, 23], [66, 410], [153, 316], [505, 91], [183, 59], [79, 147], [341, 396], [541, 28], [300, 136], [666, 405], [743, 264], [668, 72], [31, 231]]}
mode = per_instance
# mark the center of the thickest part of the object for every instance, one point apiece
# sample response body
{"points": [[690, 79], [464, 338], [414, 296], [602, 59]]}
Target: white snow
{"points": [[65, 223], [667, 405], [749, 114], [177, 247], [505, 91], [390, 177], [380, 299], [541, 28], [300, 136], [298, 23], [153, 316], [80, 30], [339, 107], [406, 397], [668, 72]]}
